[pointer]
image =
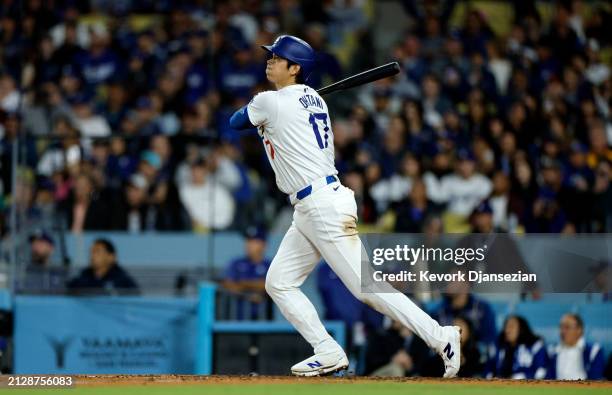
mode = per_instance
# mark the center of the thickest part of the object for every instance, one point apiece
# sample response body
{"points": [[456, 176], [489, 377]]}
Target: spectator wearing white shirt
{"points": [[209, 204], [64, 153], [397, 187], [89, 123], [462, 190], [10, 97], [574, 358]]}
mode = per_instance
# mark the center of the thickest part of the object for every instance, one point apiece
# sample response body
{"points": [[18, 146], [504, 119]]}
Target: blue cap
{"points": [[255, 232]]}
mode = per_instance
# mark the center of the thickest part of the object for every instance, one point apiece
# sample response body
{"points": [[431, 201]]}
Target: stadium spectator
{"points": [[89, 123], [407, 355], [548, 213], [104, 276], [397, 186], [508, 97], [64, 152], [209, 204], [132, 213], [459, 302], [41, 276], [99, 63], [114, 107], [41, 249], [461, 191], [412, 212], [85, 208], [166, 210], [518, 353], [41, 108], [394, 351], [574, 358], [9, 95], [245, 277], [500, 200]]}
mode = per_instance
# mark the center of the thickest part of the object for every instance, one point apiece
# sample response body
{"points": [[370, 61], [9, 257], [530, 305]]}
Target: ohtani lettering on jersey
{"points": [[310, 100]]}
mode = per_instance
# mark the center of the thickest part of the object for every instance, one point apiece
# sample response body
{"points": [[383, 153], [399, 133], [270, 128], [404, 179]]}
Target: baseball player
{"points": [[294, 125]]}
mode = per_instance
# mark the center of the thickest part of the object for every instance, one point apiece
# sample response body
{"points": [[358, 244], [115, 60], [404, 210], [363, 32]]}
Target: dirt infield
{"points": [[155, 380]]}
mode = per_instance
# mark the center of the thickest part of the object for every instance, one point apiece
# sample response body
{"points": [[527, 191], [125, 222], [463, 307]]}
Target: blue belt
{"points": [[301, 194]]}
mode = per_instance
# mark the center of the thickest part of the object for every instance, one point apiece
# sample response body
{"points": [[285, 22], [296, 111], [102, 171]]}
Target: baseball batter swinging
{"points": [[294, 125]]}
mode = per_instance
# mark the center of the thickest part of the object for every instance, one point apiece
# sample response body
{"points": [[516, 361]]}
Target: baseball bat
{"points": [[377, 73]]}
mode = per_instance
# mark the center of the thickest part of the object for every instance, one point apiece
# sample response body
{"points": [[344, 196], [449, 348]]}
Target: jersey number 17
{"points": [[316, 120]]}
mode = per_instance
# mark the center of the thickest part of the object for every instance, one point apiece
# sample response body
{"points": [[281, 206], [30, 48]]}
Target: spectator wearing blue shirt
{"points": [[477, 311], [519, 353], [574, 358], [100, 63], [246, 276], [198, 81], [239, 74]]}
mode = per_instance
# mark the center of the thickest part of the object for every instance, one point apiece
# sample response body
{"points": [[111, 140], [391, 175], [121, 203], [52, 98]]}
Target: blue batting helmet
{"points": [[296, 50]]}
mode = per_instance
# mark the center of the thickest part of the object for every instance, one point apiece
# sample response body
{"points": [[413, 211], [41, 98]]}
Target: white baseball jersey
{"points": [[295, 128]]}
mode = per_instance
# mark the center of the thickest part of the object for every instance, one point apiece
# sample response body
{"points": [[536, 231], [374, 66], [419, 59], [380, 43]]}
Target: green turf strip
{"points": [[315, 389]]}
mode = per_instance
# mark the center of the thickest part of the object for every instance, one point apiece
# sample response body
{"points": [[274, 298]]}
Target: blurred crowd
{"points": [[120, 114]]}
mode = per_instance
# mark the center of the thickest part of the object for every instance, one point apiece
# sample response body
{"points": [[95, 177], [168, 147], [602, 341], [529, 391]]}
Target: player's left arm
{"points": [[240, 119]]}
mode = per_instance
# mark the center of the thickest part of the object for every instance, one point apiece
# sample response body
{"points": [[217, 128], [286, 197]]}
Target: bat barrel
{"points": [[362, 78]]}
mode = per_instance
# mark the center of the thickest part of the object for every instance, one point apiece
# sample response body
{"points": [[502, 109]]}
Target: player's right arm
{"points": [[261, 110]]}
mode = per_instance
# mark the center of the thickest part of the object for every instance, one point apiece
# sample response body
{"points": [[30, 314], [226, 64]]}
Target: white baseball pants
{"points": [[324, 225]]}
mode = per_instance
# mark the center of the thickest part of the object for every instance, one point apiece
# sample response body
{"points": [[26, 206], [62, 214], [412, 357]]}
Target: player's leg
{"points": [[331, 226], [294, 261]]}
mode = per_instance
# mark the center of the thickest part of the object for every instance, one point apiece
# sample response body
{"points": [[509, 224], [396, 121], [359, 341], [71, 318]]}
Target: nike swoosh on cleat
{"points": [[336, 188]]}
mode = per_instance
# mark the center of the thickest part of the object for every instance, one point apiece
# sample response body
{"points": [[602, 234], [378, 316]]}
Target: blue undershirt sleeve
{"points": [[240, 120]]}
